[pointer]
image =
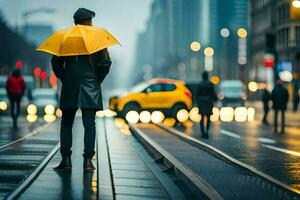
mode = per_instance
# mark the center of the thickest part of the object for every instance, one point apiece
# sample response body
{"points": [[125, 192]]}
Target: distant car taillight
{"points": [[188, 93]]}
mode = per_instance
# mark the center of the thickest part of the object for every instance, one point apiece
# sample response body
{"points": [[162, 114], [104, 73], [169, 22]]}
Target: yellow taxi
{"points": [[166, 95]]}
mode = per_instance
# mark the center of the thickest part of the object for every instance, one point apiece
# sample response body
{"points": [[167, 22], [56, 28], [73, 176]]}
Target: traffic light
{"points": [[19, 64], [37, 71], [43, 75], [295, 10]]}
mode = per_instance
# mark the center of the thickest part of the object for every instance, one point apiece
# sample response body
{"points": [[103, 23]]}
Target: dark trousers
{"points": [[204, 129], [265, 118], [276, 120], [14, 101], [88, 119]]}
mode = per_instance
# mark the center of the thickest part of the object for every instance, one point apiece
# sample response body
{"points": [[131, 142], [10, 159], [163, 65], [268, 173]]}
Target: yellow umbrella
{"points": [[78, 40]]}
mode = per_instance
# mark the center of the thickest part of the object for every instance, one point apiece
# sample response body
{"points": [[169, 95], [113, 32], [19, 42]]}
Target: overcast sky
{"points": [[123, 18]]}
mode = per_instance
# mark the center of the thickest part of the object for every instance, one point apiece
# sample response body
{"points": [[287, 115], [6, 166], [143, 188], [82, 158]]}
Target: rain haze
{"points": [[124, 19]]}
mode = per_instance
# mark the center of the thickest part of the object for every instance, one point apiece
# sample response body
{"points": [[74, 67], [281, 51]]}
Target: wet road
{"points": [[277, 155], [9, 134]]}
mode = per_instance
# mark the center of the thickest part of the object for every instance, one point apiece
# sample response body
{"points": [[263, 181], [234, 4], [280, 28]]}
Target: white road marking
{"points": [[266, 140], [231, 134], [294, 153]]}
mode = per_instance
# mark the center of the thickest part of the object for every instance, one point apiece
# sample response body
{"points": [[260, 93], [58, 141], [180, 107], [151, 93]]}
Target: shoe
{"points": [[88, 165], [64, 165]]}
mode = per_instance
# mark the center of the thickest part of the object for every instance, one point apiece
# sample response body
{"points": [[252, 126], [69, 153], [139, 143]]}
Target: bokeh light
{"points": [[3, 106], [119, 122], [195, 46], [225, 33], [169, 122], [145, 117], [209, 52], [58, 113], [49, 109], [182, 115], [194, 115], [296, 3], [31, 109], [242, 33], [157, 117], [49, 118], [251, 114], [132, 117], [227, 114], [216, 114], [252, 86], [32, 118], [240, 114], [215, 80]]}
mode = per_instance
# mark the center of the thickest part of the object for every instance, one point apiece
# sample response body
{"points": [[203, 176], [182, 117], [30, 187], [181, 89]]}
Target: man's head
{"points": [[205, 75], [16, 73], [83, 16]]}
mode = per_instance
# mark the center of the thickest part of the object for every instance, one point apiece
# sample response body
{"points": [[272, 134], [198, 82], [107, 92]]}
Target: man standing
{"points": [[206, 96], [280, 99], [265, 98], [81, 78]]}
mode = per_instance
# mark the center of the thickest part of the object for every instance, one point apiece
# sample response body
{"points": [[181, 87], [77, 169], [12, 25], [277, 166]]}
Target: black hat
{"points": [[83, 14]]}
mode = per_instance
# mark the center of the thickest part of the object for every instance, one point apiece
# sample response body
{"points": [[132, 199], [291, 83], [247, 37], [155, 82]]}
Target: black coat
{"points": [[280, 97], [81, 78], [206, 96]]}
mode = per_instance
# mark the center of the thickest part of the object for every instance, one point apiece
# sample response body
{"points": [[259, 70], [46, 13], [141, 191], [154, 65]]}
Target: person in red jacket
{"points": [[15, 87]]}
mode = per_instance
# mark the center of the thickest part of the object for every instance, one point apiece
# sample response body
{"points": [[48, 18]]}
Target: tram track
{"points": [[214, 174], [22, 160]]}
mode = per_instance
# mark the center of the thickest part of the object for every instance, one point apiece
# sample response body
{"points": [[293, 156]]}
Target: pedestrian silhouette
{"points": [[15, 87], [265, 98], [81, 78], [296, 100], [280, 99], [206, 96]]}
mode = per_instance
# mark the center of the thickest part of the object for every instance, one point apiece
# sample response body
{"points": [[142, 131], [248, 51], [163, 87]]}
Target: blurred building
{"points": [[274, 32], [37, 33], [164, 47], [230, 15]]}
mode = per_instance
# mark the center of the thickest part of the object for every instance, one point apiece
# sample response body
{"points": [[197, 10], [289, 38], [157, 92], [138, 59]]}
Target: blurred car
{"points": [[166, 95], [43, 97], [232, 93]]}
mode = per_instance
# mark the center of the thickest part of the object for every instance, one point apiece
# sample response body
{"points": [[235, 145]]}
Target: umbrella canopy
{"points": [[78, 40]]}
